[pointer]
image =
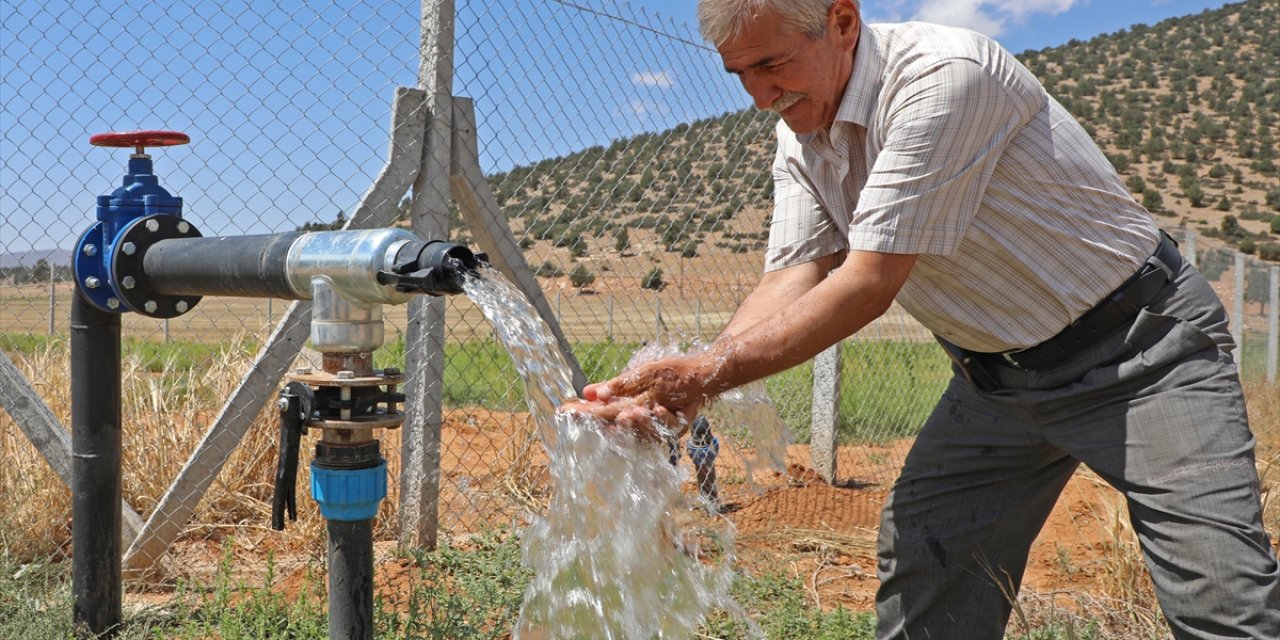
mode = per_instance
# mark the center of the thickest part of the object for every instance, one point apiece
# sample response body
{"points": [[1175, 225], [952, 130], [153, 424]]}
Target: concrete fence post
{"points": [[826, 412]]}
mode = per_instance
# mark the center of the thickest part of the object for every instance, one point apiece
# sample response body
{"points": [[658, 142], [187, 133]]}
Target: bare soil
{"points": [[792, 522]]}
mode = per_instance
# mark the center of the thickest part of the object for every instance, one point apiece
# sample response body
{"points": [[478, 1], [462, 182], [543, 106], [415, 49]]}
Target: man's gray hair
{"points": [[721, 20]]}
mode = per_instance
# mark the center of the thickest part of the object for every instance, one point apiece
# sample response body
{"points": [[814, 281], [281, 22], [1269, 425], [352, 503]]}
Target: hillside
{"points": [[1186, 108]]}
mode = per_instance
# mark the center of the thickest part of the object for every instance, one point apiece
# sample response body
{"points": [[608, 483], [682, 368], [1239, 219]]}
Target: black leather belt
{"points": [[1115, 311]]}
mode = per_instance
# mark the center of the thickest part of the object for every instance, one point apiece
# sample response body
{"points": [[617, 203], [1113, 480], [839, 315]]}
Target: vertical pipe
{"points": [[95, 469], [351, 579], [1189, 251], [610, 333]]}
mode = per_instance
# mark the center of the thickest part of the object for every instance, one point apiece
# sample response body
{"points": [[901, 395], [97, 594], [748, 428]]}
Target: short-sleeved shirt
{"points": [[945, 146]]}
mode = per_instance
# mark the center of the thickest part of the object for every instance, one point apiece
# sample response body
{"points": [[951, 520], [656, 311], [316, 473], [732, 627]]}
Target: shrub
{"points": [[653, 280], [1275, 224], [581, 276], [672, 236], [1231, 229], [1248, 246], [578, 246], [549, 270], [1152, 200], [1270, 251]]}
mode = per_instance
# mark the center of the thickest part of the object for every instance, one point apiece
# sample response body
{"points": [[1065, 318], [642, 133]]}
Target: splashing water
{"points": [[744, 416], [610, 557]]}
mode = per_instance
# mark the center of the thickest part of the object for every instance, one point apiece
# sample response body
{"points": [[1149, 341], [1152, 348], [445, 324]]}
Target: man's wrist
{"points": [[718, 367]]}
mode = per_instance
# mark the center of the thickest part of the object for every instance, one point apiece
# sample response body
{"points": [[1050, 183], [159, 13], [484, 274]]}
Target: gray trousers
{"points": [[1157, 411]]}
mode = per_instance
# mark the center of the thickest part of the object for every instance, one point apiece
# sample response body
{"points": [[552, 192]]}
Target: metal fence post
{"points": [[53, 303], [1273, 330], [1237, 307], [657, 320]]}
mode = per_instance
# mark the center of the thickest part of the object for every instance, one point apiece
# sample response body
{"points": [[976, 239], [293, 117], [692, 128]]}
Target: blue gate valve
{"points": [[108, 258]]}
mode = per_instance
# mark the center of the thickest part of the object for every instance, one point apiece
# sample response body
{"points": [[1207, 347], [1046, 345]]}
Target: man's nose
{"points": [[761, 90]]}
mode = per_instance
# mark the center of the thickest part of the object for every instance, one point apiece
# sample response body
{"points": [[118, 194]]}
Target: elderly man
{"points": [[925, 164]]}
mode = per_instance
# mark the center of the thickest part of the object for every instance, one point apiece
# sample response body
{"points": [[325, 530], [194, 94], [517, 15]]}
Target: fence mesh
{"points": [[624, 159]]}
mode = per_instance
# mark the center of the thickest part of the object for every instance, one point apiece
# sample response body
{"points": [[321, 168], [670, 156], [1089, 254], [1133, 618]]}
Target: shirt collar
{"points": [[858, 104]]}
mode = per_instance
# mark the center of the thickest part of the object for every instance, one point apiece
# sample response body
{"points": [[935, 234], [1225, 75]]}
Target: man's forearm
{"points": [[775, 291], [836, 308]]}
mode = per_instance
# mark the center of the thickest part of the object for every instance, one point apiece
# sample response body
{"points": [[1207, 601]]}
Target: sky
{"points": [[1017, 24], [287, 102]]}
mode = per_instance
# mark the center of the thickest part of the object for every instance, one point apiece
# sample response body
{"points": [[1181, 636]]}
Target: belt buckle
{"points": [[1009, 359]]}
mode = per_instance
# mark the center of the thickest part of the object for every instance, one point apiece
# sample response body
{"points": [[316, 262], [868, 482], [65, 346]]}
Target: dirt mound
{"points": [[806, 501]]}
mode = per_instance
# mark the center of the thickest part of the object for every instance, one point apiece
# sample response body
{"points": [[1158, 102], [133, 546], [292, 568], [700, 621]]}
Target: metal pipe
{"points": [[370, 266], [95, 469], [243, 266], [349, 482], [351, 579], [351, 260], [339, 325], [703, 449]]}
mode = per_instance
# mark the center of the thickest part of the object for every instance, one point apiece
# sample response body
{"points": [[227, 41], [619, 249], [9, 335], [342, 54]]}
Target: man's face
{"points": [[800, 77]]}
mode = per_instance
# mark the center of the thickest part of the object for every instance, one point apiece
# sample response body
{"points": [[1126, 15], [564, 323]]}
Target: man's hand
{"points": [[647, 421], [677, 383], [655, 399]]}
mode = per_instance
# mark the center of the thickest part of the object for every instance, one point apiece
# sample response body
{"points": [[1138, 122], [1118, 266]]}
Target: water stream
{"points": [[617, 553]]}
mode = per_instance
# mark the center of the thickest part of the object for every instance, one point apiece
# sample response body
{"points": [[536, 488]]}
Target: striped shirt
{"points": [[945, 146]]}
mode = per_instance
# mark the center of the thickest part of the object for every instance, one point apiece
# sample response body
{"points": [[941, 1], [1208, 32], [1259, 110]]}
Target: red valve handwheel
{"points": [[139, 139]]}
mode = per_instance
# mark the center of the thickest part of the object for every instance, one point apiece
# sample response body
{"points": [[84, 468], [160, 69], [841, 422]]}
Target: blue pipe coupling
{"points": [[349, 495], [703, 455]]}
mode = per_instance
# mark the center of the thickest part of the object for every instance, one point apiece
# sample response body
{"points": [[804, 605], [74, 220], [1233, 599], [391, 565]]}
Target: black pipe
{"points": [[703, 449], [350, 542], [351, 579], [238, 266], [95, 470]]}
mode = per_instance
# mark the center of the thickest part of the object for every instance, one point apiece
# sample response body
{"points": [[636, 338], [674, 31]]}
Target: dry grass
{"points": [[164, 417]]}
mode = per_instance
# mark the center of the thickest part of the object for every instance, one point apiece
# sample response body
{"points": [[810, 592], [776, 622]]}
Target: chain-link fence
{"points": [[622, 158]]}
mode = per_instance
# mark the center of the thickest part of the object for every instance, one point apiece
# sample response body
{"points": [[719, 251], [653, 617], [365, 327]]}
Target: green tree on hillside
{"points": [[581, 277], [623, 241]]}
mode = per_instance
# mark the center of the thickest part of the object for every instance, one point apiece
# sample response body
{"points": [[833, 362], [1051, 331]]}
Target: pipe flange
{"points": [[380, 420], [126, 266], [320, 378]]}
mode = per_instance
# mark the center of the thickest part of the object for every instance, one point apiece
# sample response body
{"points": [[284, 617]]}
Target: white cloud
{"points": [[646, 108], [1023, 8], [970, 14], [659, 79], [991, 17]]}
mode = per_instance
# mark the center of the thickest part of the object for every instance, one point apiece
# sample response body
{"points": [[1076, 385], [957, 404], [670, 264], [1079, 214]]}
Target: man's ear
{"points": [[844, 21]]}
